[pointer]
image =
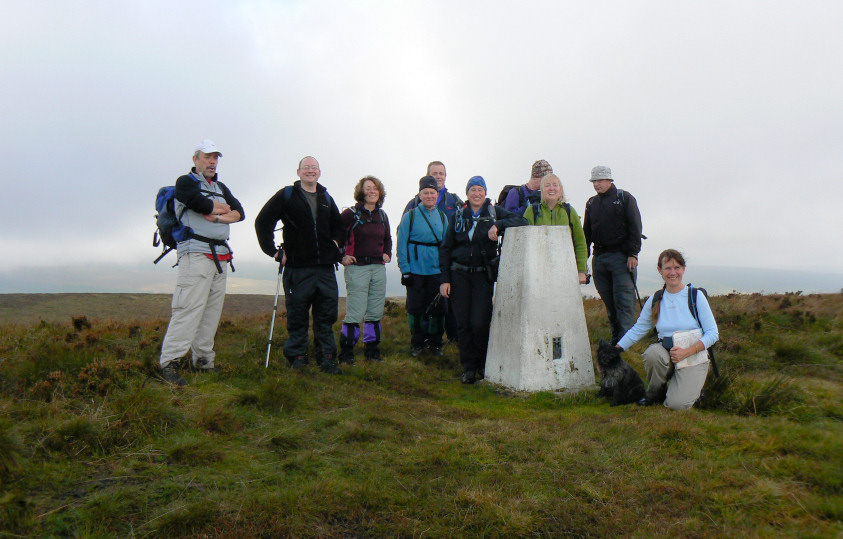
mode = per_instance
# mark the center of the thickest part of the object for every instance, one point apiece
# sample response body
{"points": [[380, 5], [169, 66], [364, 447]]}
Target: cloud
{"points": [[722, 118]]}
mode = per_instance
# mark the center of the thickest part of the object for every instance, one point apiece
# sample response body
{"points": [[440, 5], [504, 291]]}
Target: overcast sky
{"points": [[724, 119]]}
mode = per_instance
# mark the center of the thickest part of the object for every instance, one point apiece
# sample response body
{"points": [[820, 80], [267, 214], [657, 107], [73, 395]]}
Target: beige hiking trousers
{"points": [[197, 305], [685, 385]]}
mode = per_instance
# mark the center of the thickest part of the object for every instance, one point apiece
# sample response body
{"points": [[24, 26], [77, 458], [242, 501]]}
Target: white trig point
{"points": [[539, 339]]}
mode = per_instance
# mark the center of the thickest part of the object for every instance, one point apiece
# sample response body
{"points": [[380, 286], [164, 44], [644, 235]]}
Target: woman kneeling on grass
{"points": [[554, 210], [471, 242], [681, 354]]}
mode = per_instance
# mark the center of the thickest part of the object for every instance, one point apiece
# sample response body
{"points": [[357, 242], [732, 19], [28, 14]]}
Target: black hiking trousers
{"points": [[306, 288], [471, 296]]}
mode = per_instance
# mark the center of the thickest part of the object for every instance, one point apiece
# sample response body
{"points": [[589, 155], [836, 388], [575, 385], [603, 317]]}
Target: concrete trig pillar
{"points": [[539, 339]]}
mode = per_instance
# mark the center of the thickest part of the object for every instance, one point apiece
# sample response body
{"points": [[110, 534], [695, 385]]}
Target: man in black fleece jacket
{"points": [[613, 224], [312, 239]]}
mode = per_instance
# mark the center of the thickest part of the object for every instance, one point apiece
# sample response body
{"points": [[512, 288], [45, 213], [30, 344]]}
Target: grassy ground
{"points": [[92, 444]]}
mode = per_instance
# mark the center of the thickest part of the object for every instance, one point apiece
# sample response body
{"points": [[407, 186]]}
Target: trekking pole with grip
{"points": [[274, 310]]}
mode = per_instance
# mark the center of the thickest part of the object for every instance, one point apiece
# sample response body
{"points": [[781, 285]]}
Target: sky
{"points": [[723, 118]]}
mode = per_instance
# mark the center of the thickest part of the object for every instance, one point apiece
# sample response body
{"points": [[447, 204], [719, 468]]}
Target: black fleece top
{"points": [[305, 242], [612, 225], [457, 247]]}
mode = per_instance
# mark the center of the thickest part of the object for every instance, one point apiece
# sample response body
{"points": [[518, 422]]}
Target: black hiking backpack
{"points": [[505, 192]]}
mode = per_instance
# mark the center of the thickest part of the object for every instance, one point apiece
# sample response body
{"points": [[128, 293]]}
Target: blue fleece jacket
{"points": [[420, 259]]}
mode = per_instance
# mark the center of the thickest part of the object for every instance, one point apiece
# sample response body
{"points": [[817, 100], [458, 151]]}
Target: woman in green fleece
{"points": [[553, 210]]}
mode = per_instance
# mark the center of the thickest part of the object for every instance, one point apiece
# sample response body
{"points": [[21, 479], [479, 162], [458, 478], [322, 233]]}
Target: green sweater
{"points": [[558, 216]]}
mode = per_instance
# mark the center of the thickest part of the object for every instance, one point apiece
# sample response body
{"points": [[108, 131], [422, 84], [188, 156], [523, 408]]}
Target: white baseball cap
{"points": [[208, 146]]}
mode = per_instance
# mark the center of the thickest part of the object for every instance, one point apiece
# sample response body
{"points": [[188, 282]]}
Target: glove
{"points": [[407, 279]]}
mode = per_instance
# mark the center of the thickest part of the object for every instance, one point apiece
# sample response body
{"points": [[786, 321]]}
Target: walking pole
{"points": [[635, 286], [274, 310]]}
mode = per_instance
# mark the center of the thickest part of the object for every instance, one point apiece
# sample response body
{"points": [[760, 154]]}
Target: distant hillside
{"points": [[27, 308], [260, 279]]}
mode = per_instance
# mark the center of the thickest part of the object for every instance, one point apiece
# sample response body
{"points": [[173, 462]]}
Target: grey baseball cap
{"points": [[601, 173]]}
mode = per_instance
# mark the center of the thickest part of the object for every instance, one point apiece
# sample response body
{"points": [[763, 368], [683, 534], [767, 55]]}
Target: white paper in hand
{"points": [[685, 339]]}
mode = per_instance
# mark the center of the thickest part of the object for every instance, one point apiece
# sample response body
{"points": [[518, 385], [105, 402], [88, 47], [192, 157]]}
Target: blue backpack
{"points": [[171, 231]]}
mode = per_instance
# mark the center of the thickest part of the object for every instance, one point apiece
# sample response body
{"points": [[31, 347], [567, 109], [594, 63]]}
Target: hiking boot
{"points": [[372, 352], [299, 362], [200, 366], [169, 374], [481, 374], [416, 350], [468, 377], [329, 366], [436, 351], [646, 402], [346, 356]]}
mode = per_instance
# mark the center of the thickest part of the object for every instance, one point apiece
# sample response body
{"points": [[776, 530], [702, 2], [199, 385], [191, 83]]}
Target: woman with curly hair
{"points": [[368, 248]]}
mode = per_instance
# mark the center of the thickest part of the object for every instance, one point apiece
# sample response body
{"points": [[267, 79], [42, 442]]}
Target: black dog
{"points": [[619, 380]]}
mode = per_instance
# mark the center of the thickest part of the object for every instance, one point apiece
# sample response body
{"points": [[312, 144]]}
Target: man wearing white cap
{"points": [[613, 224], [207, 207]]}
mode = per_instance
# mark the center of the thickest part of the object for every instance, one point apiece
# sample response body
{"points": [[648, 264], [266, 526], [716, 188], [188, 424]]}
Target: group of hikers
{"points": [[447, 251]]}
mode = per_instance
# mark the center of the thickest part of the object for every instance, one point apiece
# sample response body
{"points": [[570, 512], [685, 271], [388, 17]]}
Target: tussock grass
{"points": [[11, 452], [94, 444]]}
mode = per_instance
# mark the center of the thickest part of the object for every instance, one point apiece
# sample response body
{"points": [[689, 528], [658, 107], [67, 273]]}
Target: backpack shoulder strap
{"points": [[412, 218], [522, 197], [426, 220], [493, 213], [692, 305], [621, 197], [570, 224], [383, 217]]}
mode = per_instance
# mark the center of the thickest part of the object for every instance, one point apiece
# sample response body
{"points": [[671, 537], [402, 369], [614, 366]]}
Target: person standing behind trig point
{"points": [[419, 235], [207, 207], [312, 234], [447, 201], [555, 210], [613, 224], [518, 198]]}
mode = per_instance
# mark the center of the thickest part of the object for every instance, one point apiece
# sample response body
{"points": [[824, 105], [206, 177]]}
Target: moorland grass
{"points": [[94, 444]]}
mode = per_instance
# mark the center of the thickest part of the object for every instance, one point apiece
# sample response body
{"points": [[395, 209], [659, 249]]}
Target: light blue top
{"points": [[674, 315], [420, 259]]}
